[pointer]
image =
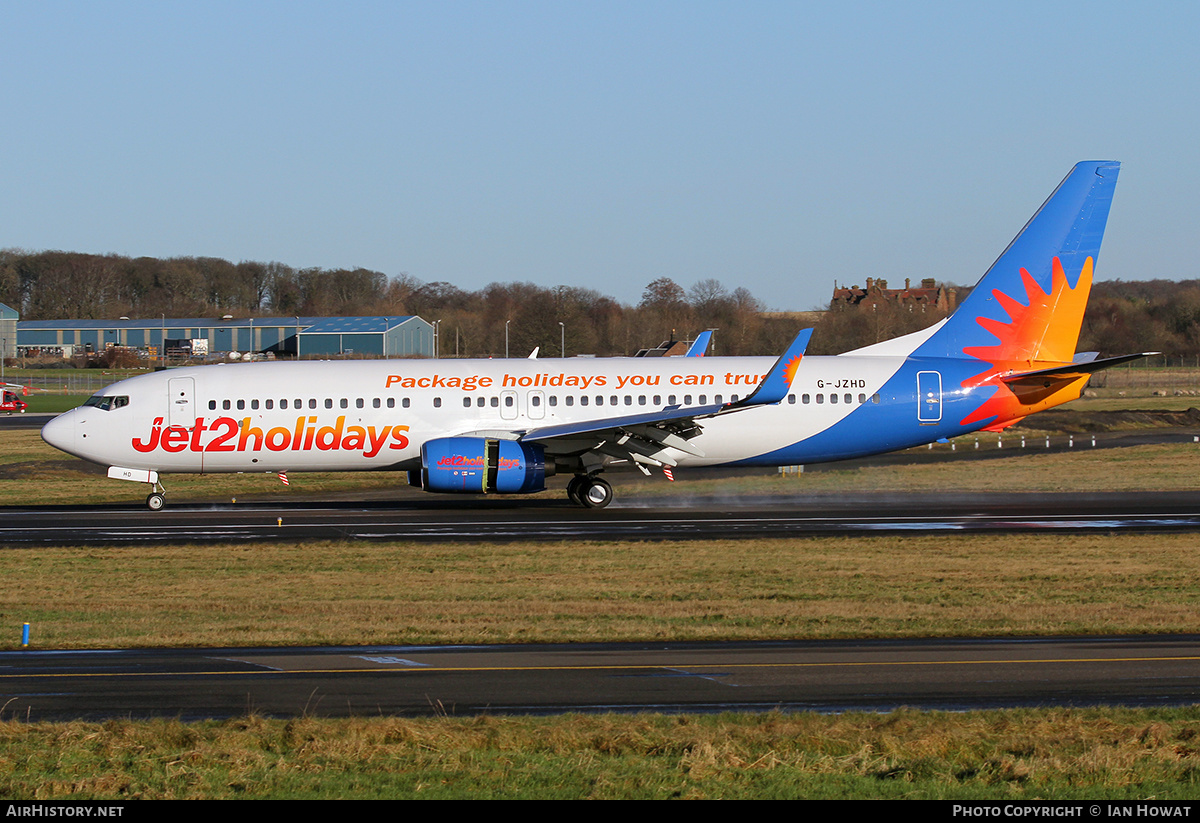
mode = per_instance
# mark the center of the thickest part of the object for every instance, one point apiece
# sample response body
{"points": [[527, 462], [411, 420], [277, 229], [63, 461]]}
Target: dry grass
{"points": [[1018, 755], [355, 593]]}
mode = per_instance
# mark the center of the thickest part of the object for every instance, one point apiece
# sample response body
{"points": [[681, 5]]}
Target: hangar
{"points": [[383, 336]]}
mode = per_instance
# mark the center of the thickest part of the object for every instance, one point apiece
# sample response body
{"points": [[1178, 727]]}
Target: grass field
{"points": [[351, 593], [1057, 754]]}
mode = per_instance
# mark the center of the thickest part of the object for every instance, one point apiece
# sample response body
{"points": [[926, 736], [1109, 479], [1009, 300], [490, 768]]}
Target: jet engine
{"points": [[478, 465]]}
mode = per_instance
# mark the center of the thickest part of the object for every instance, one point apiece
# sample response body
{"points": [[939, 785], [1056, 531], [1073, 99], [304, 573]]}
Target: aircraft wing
{"points": [[642, 438]]}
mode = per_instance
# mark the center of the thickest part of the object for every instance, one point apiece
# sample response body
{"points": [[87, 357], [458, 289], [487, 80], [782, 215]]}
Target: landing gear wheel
{"points": [[573, 487], [595, 493], [155, 501]]}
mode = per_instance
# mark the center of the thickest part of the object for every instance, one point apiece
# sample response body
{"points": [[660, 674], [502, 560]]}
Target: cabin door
{"points": [[929, 396], [181, 401]]}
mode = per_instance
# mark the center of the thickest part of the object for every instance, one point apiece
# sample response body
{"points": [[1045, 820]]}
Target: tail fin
{"points": [[1028, 308]]}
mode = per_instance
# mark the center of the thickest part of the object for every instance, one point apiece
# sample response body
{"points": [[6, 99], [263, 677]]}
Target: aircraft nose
{"points": [[60, 432]]}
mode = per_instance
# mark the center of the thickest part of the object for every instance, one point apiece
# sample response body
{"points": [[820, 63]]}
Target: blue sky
{"points": [[776, 146]]}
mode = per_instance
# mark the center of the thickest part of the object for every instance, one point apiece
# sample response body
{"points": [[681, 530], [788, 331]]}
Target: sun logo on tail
{"points": [[789, 371], [1039, 334]]}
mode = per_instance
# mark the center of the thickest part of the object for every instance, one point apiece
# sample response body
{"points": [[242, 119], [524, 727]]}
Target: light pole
{"points": [[506, 322], [563, 329]]}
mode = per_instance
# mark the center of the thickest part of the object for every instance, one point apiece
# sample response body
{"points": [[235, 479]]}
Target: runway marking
{"points": [[432, 668]]}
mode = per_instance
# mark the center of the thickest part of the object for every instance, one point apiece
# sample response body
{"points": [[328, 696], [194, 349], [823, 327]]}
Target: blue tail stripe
{"points": [[1069, 226]]}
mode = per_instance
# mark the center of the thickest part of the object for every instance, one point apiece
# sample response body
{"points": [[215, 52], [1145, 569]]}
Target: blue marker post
{"points": [[25, 635]]}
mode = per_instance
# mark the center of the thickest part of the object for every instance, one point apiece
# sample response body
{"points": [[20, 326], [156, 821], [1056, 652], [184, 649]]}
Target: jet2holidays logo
{"points": [[226, 435]]}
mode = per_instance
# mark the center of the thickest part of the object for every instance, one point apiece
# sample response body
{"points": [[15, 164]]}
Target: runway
{"points": [[193, 684], [700, 518]]}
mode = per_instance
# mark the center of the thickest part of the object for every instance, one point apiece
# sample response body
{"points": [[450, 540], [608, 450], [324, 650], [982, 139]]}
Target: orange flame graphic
{"points": [[789, 371], [1039, 335]]}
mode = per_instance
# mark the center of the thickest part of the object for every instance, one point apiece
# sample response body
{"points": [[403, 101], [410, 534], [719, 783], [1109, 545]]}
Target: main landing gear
{"points": [[589, 491]]}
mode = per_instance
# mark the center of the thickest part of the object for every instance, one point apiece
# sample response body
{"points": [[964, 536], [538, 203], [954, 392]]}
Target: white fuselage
{"points": [[339, 416]]}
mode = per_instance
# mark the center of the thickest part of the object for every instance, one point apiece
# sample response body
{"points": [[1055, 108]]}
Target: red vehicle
{"points": [[11, 401]]}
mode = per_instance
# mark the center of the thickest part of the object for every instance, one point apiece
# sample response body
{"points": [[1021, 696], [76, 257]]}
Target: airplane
{"points": [[504, 426]]}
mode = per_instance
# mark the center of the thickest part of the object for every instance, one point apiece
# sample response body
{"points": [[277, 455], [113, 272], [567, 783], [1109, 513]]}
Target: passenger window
{"points": [[805, 399], [312, 402], [375, 403], [241, 404], [329, 402], [345, 404], [599, 400], [641, 399], [583, 400], [466, 402], [570, 400], [495, 402], [254, 404], [687, 400], [508, 401], [226, 405], [212, 405], [833, 398], [535, 400], [554, 400], [405, 403], [283, 404], [437, 402], [270, 404], [358, 404], [791, 399], [820, 399], [481, 402], [847, 398]]}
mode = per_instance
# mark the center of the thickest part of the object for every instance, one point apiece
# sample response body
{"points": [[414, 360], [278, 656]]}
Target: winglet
{"points": [[699, 346], [778, 382]]}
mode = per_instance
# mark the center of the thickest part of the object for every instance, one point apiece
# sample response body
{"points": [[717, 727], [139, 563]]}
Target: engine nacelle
{"points": [[478, 465]]}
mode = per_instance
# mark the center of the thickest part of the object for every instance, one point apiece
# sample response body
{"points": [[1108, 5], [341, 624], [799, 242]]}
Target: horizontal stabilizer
{"points": [[1035, 387], [1078, 369]]}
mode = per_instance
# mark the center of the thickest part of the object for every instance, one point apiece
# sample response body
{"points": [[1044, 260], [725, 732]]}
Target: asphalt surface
{"points": [[192, 684], [694, 518]]}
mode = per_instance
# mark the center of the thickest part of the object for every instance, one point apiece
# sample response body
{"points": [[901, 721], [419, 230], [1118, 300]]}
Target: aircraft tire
{"points": [[573, 486], [595, 493], [155, 502]]}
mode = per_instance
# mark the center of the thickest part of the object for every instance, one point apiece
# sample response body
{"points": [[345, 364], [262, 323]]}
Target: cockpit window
{"points": [[106, 402]]}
